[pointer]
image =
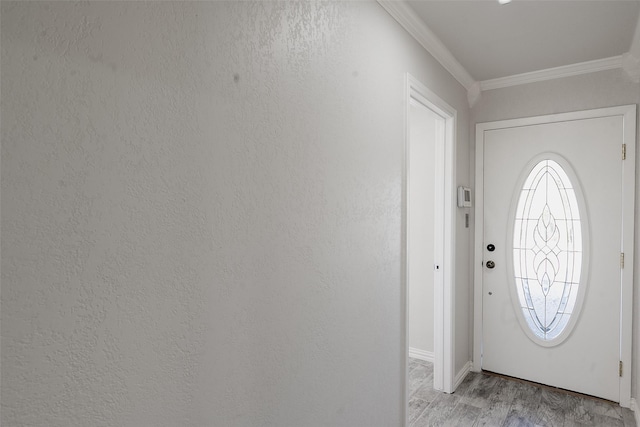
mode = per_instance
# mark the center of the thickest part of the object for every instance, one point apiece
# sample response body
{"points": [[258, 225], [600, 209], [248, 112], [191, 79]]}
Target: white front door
{"points": [[553, 235]]}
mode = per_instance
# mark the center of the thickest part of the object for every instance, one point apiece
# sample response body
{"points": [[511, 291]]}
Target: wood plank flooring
{"points": [[490, 400]]}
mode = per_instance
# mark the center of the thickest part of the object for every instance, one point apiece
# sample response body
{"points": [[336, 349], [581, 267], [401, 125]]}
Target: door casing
{"points": [[628, 113], [444, 365]]}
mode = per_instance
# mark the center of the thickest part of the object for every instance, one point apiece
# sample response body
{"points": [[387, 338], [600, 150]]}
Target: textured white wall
{"points": [[589, 91], [202, 213]]}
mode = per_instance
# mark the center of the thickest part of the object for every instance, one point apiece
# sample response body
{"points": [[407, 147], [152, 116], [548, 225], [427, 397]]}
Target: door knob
{"points": [[491, 264]]}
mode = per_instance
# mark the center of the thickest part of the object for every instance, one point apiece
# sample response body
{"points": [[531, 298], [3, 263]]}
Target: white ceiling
{"points": [[492, 41]]}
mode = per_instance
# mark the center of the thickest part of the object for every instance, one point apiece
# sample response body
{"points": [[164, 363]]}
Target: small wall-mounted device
{"points": [[464, 197]]}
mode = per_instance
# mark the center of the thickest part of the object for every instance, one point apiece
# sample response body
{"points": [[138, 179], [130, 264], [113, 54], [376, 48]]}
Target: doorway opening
{"points": [[541, 215], [429, 233]]}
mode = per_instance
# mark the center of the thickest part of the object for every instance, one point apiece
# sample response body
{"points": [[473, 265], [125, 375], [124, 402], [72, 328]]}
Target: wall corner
{"points": [[631, 66], [474, 92]]}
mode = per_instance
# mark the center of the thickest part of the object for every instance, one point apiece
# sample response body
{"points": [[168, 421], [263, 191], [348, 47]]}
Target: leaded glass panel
{"points": [[547, 249]]}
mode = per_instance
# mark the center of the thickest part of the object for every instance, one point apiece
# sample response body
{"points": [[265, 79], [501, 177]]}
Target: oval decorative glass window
{"points": [[547, 250]]}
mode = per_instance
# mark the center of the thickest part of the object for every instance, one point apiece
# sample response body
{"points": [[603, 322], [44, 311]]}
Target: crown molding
{"points": [[554, 73], [403, 13], [410, 21]]}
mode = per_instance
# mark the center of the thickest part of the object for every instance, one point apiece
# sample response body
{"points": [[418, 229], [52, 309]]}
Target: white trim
{"points": [[553, 73], [415, 26], [462, 374], [416, 353], [628, 224], [628, 112], [478, 241], [444, 315]]}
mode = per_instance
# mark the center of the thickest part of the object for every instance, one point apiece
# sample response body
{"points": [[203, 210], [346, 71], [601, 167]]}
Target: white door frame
{"points": [[628, 113], [443, 366]]}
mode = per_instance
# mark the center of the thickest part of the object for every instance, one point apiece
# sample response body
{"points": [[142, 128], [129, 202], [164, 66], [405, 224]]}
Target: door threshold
{"points": [[551, 388]]}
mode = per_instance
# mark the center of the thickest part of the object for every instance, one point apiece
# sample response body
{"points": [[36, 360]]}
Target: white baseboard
{"points": [[636, 410], [427, 356], [460, 376]]}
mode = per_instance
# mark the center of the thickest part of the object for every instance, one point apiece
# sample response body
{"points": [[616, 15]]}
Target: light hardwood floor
{"points": [[490, 400]]}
